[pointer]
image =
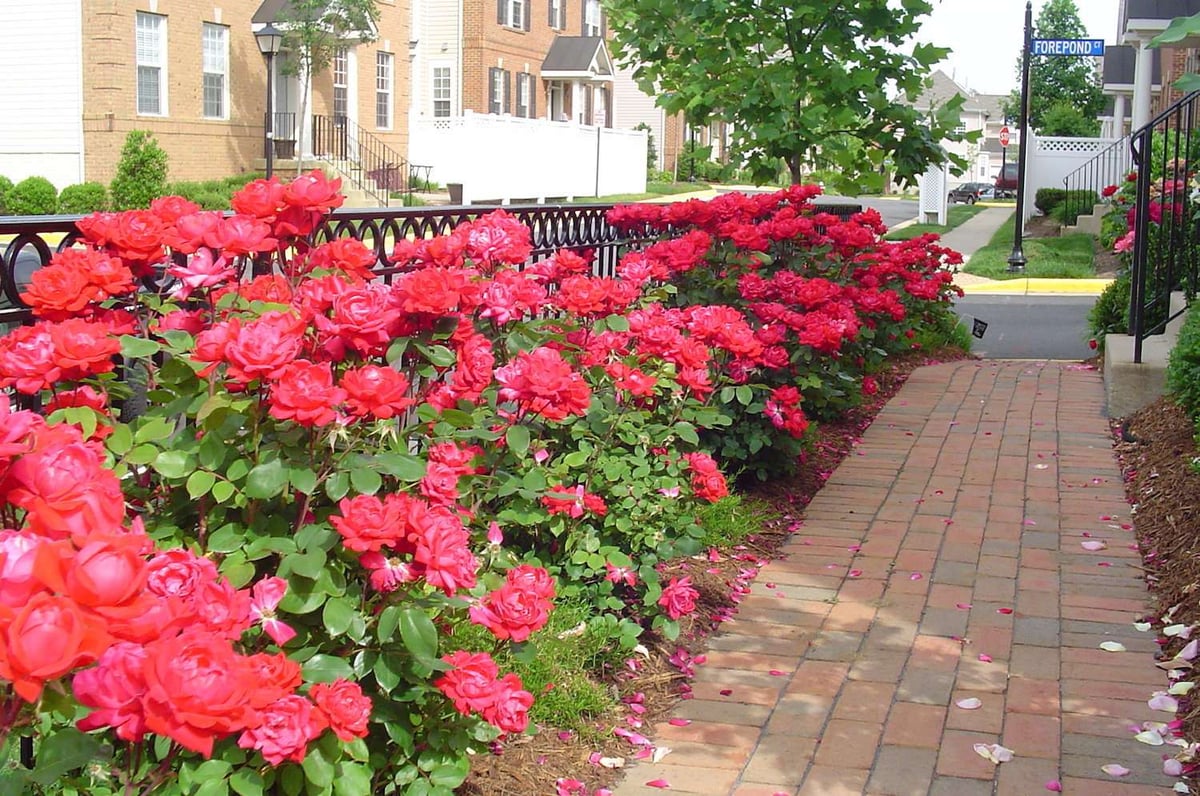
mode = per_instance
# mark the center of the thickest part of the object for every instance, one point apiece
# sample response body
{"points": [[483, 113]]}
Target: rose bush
{"points": [[246, 574]]}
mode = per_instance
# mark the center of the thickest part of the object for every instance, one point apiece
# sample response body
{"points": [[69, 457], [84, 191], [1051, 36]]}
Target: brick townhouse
{"points": [[537, 59], [81, 74]]}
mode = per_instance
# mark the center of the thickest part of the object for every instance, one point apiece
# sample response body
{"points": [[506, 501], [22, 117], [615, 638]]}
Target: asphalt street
{"points": [[893, 211], [1029, 327]]}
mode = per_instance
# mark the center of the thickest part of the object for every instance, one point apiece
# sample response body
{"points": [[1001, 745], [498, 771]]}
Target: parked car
{"points": [[970, 192], [1006, 182]]}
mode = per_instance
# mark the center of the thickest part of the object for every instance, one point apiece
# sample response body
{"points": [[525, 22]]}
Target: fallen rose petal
{"points": [[916, 576], [1115, 770], [659, 753], [1112, 646], [1149, 737], [1104, 564], [658, 783], [1191, 650], [993, 752], [1030, 523], [1180, 688], [679, 722], [1094, 546], [726, 691], [1142, 626], [1054, 785], [1172, 767], [985, 658], [1174, 630], [1164, 703], [971, 703], [776, 673], [855, 573], [1004, 611], [963, 606]]}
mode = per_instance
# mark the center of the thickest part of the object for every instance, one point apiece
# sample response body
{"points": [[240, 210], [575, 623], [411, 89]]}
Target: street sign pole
{"points": [[1004, 141], [1016, 260]]}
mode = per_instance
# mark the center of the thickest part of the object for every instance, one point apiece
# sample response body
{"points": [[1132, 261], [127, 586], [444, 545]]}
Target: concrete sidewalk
{"points": [[942, 562]]}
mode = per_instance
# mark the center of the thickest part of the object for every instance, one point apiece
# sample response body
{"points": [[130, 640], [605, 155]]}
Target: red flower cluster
{"points": [[518, 608], [678, 597], [707, 481], [783, 410], [474, 686], [573, 502], [542, 383]]}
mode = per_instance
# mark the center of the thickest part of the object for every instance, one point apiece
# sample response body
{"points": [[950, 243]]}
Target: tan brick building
{"points": [[81, 74]]}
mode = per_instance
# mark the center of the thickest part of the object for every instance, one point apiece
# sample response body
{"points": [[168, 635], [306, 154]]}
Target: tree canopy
{"points": [[1060, 84], [804, 81]]}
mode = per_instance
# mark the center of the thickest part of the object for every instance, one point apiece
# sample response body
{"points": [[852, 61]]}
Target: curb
{"points": [[1018, 287]]}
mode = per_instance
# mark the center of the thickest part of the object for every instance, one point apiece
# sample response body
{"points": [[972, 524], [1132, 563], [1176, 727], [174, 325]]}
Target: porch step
{"points": [[1129, 386], [1089, 223]]}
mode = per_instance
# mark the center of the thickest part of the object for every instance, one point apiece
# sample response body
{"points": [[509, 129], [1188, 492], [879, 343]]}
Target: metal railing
{"points": [[1110, 167], [371, 165], [283, 133], [1166, 246]]}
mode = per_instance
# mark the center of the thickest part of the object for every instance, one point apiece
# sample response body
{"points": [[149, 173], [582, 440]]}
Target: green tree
{"points": [[1181, 28], [314, 30], [1058, 79], [1063, 118], [797, 80], [141, 172]]}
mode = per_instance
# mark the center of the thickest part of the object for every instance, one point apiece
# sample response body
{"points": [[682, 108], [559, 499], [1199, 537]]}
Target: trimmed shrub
{"points": [[32, 196], [1183, 367], [1053, 202], [87, 197], [6, 185], [141, 173], [1110, 313]]}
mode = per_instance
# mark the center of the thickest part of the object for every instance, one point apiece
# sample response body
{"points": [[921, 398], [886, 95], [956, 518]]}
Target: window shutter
{"points": [[531, 82], [493, 100], [501, 17], [608, 108], [527, 12], [553, 16], [507, 92], [562, 15]]}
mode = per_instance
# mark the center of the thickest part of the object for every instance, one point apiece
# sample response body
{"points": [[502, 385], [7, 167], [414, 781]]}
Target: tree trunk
{"points": [[305, 82], [794, 164]]}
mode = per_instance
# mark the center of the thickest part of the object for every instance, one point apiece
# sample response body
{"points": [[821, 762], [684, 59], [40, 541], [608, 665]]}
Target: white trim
{"points": [[434, 66], [389, 90], [224, 29]]}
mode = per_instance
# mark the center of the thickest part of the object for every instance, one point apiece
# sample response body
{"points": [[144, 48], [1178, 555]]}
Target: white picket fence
{"points": [[505, 158], [1051, 159]]}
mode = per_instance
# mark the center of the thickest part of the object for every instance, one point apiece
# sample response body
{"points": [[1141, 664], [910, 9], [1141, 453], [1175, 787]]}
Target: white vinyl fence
{"points": [[1052, 159], [502, 158]]}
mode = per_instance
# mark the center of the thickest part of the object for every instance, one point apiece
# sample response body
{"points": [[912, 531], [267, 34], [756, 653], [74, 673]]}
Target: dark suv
{"points": [[970, 192], [1006, 183]]}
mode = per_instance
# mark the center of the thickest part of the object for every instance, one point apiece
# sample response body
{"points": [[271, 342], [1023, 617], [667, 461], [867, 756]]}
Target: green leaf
{"points": [[418, 633], [1180, 28], [352, 779], [401, 466], [309, 564], [365, 480], [225, 539], [303, 479], [266, 480], [450, 775], [199, 483], [439, 355], [212, 451], [517, 438], [247, 782], [120, 441], [326, 668], [222, 491], [66, 750], [172, 464], [317, 767], [337, 616], [744, 394], [154, 429], [1188, 83], [389, 620], [337, 484], [687, 433], [138, 347]]}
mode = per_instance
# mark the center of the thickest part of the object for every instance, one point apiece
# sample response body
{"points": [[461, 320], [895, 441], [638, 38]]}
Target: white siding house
{"points": [[41, 57], [437, 64], [632, 106]]}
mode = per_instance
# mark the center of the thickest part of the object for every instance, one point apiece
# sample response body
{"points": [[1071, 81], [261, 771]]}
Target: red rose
{"points": [[171, 208], [221, 609], [497, 238], [27, 359], [260, 198], [137, 237], [115, 688], [264, 347], [381, 392], [60, 291], [518, 608], [284, 729], [304, 392], [277, 676], [364, 318], [314, 191], [18, 553], [83, 348], [240, 235], [367, 523], [197, 690], [438, 291], [471, 683], [48, 637], [510, 705], [678, 598], [188, 232], [542, 382], [442, 546], [440, 484], [67, 492], [109, 572], [345, 706], [345, 255]]}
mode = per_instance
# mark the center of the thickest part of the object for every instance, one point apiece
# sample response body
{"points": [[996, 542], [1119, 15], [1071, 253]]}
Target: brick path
{"points": [[841, 671]]}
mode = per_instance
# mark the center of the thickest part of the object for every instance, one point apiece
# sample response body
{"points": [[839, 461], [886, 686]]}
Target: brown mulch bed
{"points": [[1156, 446], [531, 765]]}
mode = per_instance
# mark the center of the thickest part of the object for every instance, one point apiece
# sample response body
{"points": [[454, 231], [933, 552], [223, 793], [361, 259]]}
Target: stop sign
{"points": [[1004, 136]]}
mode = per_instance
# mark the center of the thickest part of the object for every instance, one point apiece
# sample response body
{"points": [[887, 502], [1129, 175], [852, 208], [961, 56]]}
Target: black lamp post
{"points": [[269, 39]]}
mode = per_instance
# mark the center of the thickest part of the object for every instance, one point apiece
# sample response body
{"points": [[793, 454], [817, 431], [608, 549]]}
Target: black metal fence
{"points": [[1110, 167], [1166, 248]]}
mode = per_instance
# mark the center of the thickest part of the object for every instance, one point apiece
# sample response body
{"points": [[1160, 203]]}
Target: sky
{"points": [[987, 35]]}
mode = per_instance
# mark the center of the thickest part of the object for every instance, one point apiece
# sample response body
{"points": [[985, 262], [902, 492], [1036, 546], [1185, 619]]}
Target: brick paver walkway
{"points": [[942, 561]]}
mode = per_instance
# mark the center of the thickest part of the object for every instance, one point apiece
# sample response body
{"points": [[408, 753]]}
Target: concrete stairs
{"points": [[355, 197], [1129, 386], [1089, 223]]}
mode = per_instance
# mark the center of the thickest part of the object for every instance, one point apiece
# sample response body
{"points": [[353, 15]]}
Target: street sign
{"points": [[1083, 47], [1004, 139]]}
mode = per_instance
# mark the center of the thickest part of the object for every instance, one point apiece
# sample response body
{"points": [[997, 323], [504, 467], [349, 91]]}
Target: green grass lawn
{"points": [[653, 191], [1067, 257], [956, 215]]}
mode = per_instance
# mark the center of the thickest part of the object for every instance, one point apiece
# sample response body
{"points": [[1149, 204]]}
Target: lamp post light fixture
{"points": [[270, 40]]}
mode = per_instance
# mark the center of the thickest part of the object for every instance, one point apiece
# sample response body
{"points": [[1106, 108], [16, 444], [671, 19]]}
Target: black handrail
{"points": [[1110, 167], [371, 165], [1166, 245]]}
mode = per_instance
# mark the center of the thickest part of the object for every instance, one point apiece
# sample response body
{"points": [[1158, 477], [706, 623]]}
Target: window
{"points": [[215, 44], [499, 98], [558, 14], [441, 91], [383, 91], [513, 13], [591, 18], [151, 64], [341, 83], [960, 128], [526, 99]]}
